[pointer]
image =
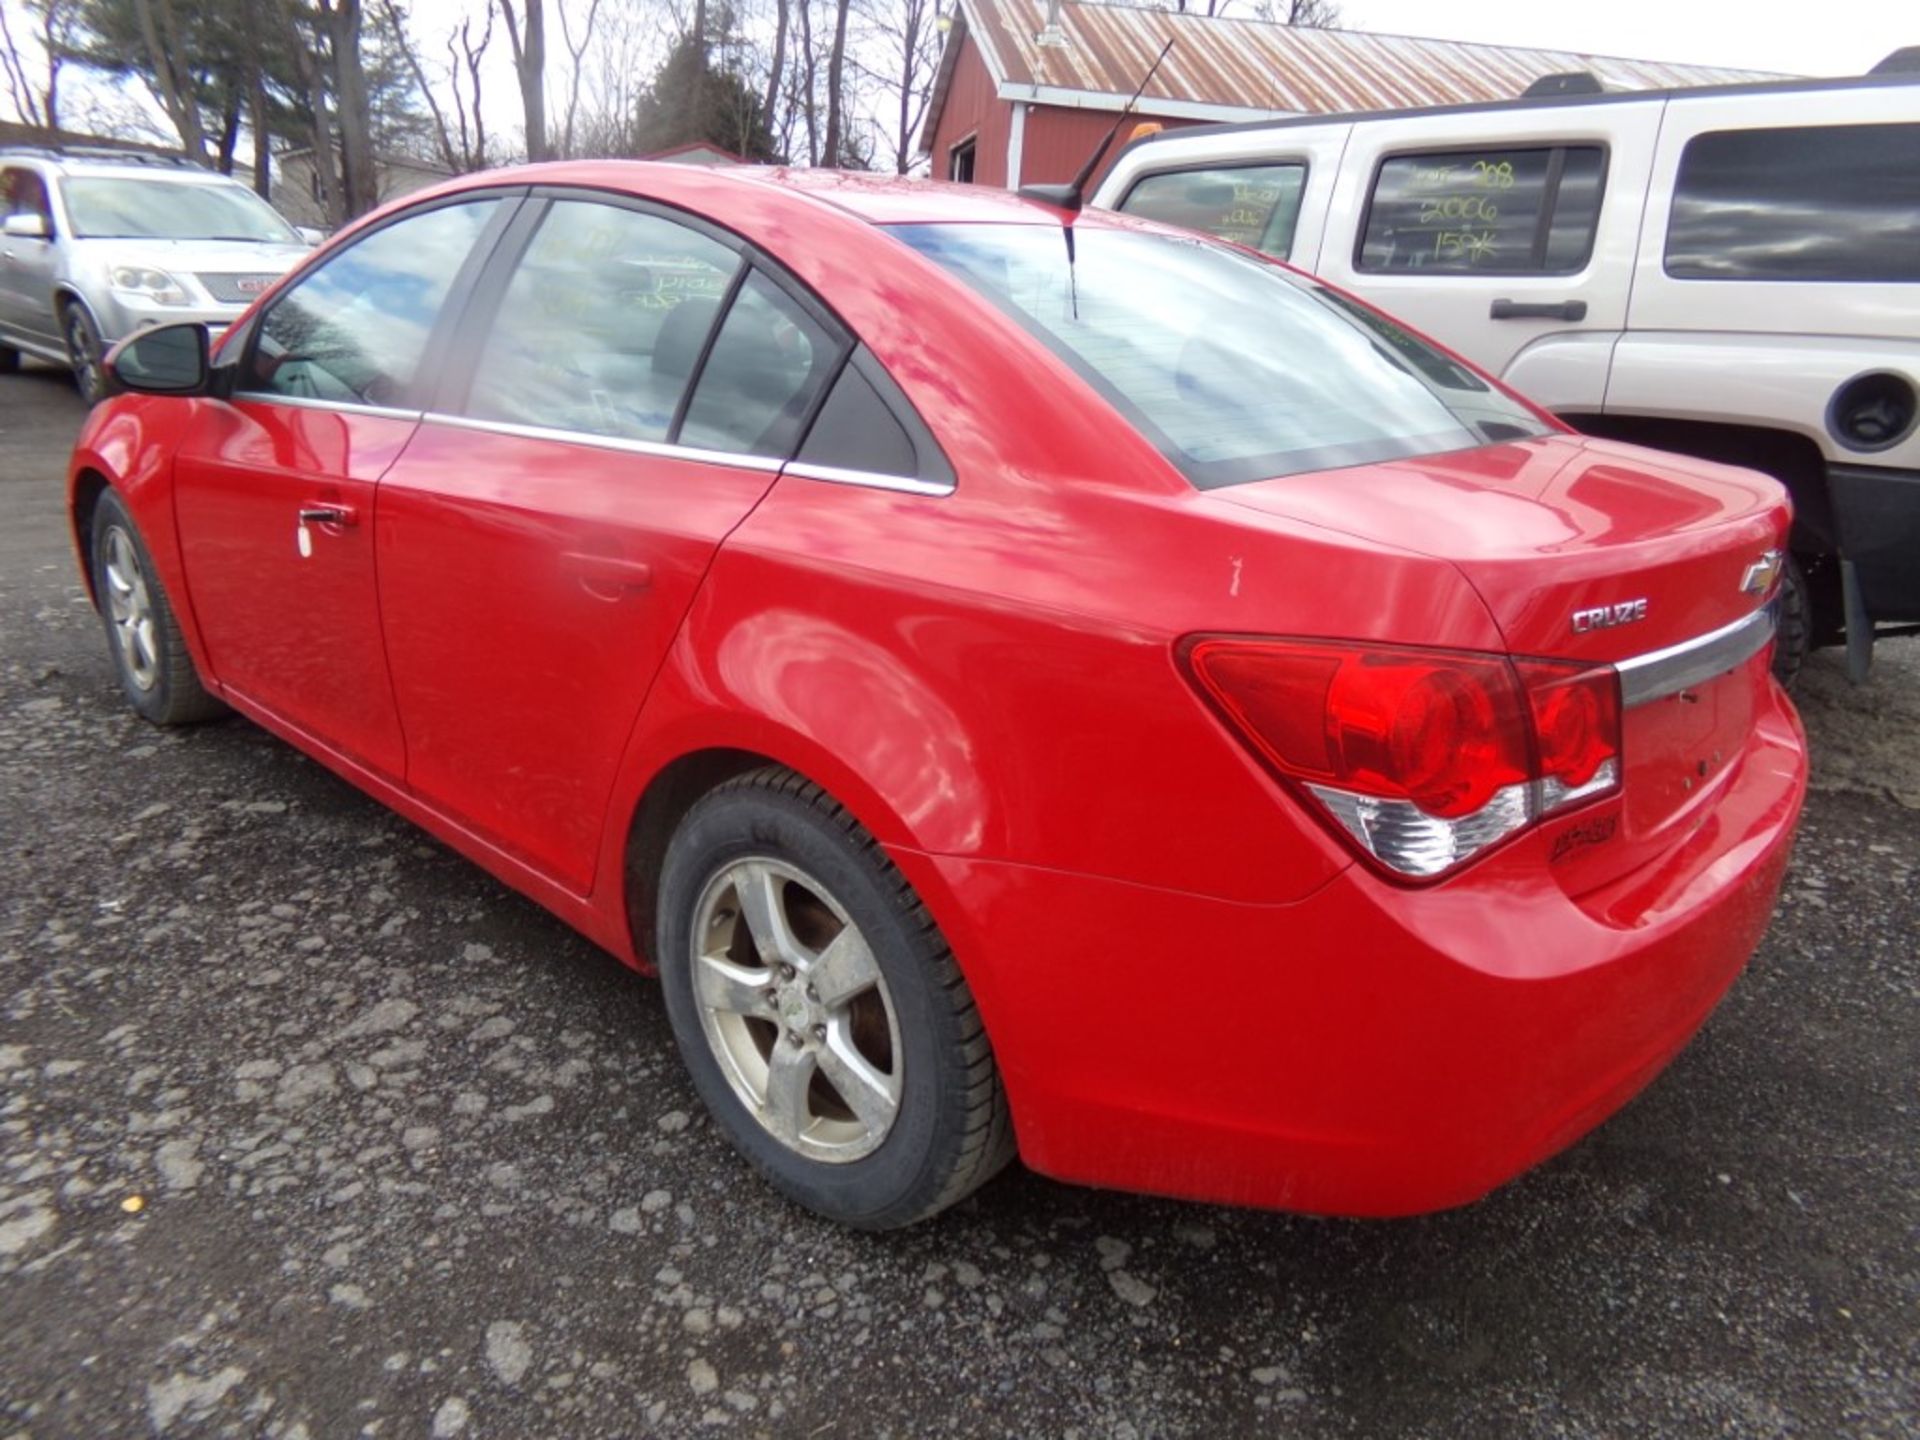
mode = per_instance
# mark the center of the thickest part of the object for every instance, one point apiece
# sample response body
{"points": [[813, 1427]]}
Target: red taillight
{"points": [[1424, 757]]}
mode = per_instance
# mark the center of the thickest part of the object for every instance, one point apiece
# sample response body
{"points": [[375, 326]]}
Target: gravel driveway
{"points": [[308, 1128]]}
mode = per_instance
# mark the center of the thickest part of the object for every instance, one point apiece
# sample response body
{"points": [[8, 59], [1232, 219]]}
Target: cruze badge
{"points": [[1605, 617], [1761, 574]]}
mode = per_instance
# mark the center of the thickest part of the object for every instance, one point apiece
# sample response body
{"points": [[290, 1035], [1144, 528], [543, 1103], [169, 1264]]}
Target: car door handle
{"points": [[327, 513], [607, 575], [1538, 310]]}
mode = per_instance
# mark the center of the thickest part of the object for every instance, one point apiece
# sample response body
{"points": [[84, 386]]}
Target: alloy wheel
{"points": [[130, 607], [793, 1005], [83, 349]]}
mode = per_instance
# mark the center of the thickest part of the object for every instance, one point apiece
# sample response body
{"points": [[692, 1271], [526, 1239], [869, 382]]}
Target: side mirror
{"points": [[310, 235], [25, 227], [169, 360]]}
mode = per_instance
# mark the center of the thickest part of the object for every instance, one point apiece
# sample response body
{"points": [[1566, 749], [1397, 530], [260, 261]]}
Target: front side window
{"points": [[102, 206], [22, 192], [767, 364], [354, 330], [1252, 205], [1235, 368], [1485, 212], [603, 324], [1832, 202]]}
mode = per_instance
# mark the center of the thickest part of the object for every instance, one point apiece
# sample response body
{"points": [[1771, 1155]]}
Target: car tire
{"points": [[768, 886], [1794, 635], [150, 656], [9, 360], [85, 354]]}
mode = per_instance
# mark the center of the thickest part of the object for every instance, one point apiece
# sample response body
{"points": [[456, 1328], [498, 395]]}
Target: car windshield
{"points": [[130, 207], [1236, 369]]}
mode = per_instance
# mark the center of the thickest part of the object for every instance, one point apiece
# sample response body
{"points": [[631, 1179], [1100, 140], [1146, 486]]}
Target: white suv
{"points": [[95, 246], [1730, 272]]}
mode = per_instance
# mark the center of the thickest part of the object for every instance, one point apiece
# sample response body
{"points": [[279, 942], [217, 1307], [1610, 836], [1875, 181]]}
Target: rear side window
{"points": [[1253, 205], [767, 365], [353, 331], [1833, 202], [23, 193], [602, 326], [1485, 212]]}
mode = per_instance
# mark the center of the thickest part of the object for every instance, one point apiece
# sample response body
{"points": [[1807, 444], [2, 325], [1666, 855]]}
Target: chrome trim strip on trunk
{"points": [[1660, 673]]}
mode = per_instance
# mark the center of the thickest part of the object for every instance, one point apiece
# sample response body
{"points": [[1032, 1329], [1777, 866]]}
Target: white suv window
{"points": [[1828, 202], [1485, 212], [1252, 205]]}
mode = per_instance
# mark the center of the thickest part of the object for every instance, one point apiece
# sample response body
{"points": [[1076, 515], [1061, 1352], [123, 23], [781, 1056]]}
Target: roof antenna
{"points": [[1072, 195]]}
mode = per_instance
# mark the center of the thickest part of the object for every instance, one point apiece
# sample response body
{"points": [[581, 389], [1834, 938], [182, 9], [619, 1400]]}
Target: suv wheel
{"points": [[85, 354], [1795, 635], [822, 1017]]}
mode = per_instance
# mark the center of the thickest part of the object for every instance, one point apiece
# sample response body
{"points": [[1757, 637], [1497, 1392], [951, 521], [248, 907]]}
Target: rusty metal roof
{"points": [[1250, 68]]}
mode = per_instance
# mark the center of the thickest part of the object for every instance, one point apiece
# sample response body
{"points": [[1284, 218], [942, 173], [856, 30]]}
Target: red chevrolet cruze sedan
{"points": [[1026, 681]]}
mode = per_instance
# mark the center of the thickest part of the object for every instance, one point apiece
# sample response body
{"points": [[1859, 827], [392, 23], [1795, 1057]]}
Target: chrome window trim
{"points": [[657, 448], [1660, 673], [834, 475], [345, 407]]}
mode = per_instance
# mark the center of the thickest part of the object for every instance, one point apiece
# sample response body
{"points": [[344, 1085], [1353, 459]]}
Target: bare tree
{"points": [[465, 55], [833, 146], [162, 39], [529, 42], [895, 57], [53, 35], [576, 55], [776, 69], [410, 56], [358, 176]]}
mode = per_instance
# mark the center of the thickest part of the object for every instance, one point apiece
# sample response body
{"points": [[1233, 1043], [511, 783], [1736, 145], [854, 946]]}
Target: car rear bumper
{"points": [[1370, 1050]]}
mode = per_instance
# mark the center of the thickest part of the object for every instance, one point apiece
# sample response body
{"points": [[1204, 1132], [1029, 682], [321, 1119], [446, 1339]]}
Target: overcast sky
{"points": [[1832, 37]]}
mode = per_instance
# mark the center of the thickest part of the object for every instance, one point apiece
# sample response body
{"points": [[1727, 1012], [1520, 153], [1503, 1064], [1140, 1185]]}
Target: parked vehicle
{"points": [[99, 245], [1728, 272], [1011, 677]]}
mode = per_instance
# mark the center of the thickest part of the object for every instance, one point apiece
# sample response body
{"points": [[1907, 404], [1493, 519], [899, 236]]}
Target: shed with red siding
{"points": [[1027, 88]]}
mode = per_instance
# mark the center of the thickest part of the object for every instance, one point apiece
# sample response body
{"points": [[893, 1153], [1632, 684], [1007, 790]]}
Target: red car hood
{"points": [[1549, 527]]}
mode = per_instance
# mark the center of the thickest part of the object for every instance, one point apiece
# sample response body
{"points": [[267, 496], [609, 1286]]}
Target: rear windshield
{"points": [[1236, 369]]}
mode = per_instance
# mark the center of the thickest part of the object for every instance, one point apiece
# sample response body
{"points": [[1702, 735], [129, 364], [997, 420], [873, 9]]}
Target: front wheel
{"points": [[823, 1019], [149, 654], [86, 354]]}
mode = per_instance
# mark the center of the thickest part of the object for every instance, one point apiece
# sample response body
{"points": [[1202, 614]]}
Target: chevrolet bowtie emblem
{"points": [[1760, 575]]}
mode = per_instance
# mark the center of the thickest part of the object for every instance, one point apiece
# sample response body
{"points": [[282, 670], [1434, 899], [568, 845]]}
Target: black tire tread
{"points": [[1794, 637], [988, 1145]]}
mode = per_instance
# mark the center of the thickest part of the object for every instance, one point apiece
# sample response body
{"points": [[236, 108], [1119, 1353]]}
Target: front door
{"points": [[546, 529], [275, 489], [27, 263]]}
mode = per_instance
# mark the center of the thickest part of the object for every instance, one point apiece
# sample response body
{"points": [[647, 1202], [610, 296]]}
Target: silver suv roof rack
{"points": [[117, 154], [1565, 82]]}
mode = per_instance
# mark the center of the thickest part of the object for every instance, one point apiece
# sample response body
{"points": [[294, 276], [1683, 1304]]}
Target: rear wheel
{"points": [[149, 654], [822, 1017], [86, 354]]}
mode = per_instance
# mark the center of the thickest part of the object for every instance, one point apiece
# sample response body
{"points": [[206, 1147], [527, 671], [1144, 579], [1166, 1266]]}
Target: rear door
{"points": [[635, 384], [1507, 235], [274, 489]]}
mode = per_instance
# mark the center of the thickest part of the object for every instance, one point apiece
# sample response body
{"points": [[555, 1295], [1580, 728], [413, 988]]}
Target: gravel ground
{"points": [[310, 1129]]}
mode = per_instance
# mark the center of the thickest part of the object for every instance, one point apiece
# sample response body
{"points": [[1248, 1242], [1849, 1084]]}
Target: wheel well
{"points": [[1792, 459], [87, 491], [669, 796]]}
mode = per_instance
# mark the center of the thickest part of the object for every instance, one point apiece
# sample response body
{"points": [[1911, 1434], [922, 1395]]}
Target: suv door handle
{"points": [[607, 576], [326, 513], [1538, 310]]}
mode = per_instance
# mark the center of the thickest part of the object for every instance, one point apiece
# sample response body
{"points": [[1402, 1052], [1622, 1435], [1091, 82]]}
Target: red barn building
{"points": [[1027, 88]]}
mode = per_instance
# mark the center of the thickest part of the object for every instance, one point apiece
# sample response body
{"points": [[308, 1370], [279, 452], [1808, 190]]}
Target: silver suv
{"points": [[95, 246]]}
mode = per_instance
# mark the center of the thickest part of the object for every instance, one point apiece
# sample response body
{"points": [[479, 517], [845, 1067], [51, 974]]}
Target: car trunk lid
{"points": [[1586, 549]]}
